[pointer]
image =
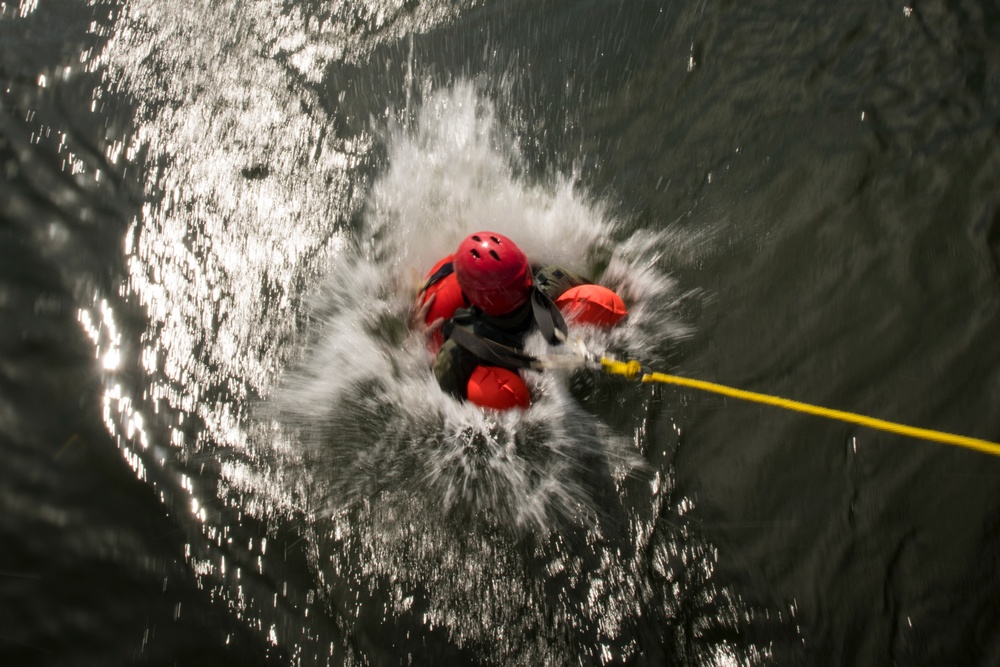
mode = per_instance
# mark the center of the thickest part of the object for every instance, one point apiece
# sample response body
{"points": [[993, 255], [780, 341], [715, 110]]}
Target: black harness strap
{"points": [[550, 321], [446, 270], [491, 351]]}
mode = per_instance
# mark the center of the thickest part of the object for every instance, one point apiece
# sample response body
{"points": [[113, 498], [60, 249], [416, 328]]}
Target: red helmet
{"points": [[493, 272]]}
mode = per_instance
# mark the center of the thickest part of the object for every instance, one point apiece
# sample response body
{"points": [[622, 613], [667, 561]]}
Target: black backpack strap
{"points": [[550, 321], [443, 272], [490, 351]]}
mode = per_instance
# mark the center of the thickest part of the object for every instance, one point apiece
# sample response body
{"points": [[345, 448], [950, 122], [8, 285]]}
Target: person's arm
{"points": [[554, 280], [453, 367]]}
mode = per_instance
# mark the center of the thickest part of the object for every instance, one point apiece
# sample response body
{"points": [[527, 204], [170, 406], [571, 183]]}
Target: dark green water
{"points": [[222, 446]]}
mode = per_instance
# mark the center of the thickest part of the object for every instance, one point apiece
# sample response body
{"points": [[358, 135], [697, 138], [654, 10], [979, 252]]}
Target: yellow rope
{"points": [[631, 369]]}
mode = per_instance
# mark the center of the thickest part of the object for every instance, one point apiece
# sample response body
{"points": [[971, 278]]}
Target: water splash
{"points": [[363, 400], [526, 537]]}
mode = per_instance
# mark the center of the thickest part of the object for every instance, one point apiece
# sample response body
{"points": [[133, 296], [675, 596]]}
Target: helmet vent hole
{"points": [[477, 239], [495, 240], [474, 253], [494, 255]]}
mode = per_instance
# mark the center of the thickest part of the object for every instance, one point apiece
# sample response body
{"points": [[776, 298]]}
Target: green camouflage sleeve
{"points": [[554, 280], [453, 367]]}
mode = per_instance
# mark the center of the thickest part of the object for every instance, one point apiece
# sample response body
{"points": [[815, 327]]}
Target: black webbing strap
{"points": [[550, 321], [444, 271], [490, 351], [547, 316]]}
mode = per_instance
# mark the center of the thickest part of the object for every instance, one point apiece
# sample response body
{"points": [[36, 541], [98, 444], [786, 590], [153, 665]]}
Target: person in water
{"points": [[480, 304]]}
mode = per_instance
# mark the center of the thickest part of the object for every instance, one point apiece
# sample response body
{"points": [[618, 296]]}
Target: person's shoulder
{"points": [[554, 279]]}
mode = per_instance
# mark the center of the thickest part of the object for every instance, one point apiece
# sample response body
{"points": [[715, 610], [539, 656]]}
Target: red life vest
{"points": [[592, 304], [441, 281]]}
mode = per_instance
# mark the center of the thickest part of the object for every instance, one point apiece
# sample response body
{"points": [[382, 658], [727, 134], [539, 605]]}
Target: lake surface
{"points": [[223, 445]]}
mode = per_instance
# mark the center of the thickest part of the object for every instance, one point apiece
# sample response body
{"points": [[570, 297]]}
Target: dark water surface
{"points": [[222, 445]]}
